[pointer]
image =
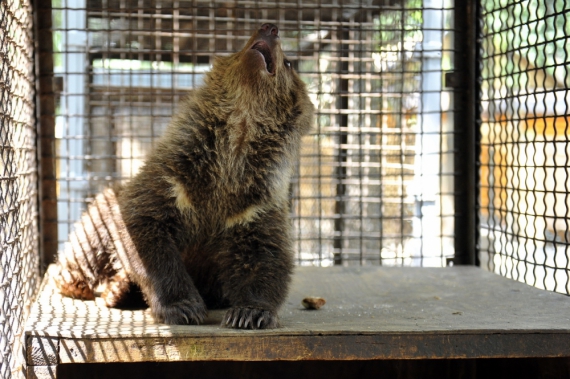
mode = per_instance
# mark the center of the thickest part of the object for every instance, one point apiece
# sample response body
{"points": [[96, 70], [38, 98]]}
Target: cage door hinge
{"points": [[452, 79]]}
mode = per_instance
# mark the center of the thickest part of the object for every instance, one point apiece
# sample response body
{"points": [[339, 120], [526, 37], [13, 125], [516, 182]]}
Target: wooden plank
{"points": [[41, 372], [42, 351], [371, 313], [319, 347], [46, 146]]}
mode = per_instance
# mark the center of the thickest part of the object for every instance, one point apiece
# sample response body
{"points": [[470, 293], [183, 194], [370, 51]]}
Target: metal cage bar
{"points": [[463, 80]]}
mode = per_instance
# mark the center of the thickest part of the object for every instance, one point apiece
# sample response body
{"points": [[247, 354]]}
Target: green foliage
{"points": [[403, 24], [525, 37]]}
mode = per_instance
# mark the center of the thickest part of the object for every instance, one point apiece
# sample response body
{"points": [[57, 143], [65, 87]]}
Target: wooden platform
{"points": [[371, 313]]}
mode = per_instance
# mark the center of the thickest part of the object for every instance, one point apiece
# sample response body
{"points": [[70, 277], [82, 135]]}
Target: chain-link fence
{"points": [[18, 181], [375, 180], [524, 204]]}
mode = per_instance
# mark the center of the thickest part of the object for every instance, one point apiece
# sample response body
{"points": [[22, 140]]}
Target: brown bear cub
{"points": [[204, 223]]}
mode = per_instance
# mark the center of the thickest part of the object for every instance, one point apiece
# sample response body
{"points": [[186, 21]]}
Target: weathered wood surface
{"points": [[371, 313], [41, 372]]}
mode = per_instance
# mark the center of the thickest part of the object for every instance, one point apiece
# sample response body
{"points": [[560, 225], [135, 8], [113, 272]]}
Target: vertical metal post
{"points": [[45, 111], [430, 119], [466, 93], [340, 170], [73, 124]]}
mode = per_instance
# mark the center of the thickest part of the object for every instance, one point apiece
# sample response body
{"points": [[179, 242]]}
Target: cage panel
{"points": [[19, 255], [524, 159], [375, 178]]}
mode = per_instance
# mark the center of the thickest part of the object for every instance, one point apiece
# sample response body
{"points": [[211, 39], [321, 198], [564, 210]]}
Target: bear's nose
{"points": [[269, 30]]}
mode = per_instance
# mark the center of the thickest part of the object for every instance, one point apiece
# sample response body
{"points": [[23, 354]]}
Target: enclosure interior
{"points": [[374, 184], [378, 179]]}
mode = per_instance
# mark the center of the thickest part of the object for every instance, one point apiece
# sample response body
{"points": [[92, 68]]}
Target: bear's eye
{"points": [[287, 63]]}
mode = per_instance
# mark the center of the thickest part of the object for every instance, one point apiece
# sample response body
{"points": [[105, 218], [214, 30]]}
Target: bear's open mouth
{"points": [[265, 51]]}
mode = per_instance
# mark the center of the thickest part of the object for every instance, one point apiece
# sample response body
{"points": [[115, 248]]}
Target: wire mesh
{"points": [[524, 161], [18, 182], [375, 177]]}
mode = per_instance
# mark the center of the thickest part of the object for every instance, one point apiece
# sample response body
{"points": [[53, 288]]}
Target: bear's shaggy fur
{"points": [[204, 223]]}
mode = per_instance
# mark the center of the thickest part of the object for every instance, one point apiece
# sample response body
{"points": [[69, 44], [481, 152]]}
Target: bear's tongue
{"points": [[265, 51]]}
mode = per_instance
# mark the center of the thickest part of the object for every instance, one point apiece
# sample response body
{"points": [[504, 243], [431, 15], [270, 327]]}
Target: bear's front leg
{"points": [[257, 263], [158, 269]]}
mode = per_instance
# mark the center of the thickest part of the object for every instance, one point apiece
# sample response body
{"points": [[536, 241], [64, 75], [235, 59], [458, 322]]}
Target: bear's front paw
{"points": [[183, 312], [250, 318]]}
